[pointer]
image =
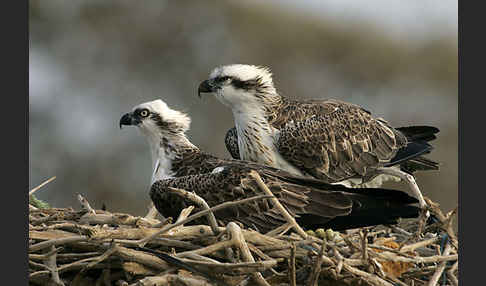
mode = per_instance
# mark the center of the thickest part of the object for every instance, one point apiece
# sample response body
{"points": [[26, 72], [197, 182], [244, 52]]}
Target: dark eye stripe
{"points": [[222, 78], [248, 84]]}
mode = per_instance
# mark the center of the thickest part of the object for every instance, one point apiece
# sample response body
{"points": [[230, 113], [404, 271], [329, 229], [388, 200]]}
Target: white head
{"points": [[156, 119], [164, 129], [240, 86]]}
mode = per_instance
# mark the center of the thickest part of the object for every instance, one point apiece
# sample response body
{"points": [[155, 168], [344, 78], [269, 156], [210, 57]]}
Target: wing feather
{"points": [[338, 141], [231, 143], [311, 201]]}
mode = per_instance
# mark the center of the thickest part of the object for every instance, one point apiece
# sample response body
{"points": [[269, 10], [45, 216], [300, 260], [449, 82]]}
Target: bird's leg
{"points": [[410, 180]]}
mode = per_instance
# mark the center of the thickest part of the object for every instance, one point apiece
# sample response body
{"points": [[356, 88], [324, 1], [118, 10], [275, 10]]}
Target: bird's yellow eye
{"points": [[144, 113]]}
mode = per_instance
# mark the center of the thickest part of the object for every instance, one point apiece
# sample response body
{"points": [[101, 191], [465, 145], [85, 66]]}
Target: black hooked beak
{"points": [[204, 87], [126, 119]]}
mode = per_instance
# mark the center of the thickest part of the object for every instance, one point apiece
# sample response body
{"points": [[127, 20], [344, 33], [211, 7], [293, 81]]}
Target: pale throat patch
{"points": [[162, 160], [162, 168]]}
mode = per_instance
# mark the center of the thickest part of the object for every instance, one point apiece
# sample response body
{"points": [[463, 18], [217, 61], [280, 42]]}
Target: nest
{"points": [[97, 247]]}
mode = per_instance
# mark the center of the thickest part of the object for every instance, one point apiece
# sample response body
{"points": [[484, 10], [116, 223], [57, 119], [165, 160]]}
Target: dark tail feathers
{"points": [[371, 206], [410, 157], [419, 133]]}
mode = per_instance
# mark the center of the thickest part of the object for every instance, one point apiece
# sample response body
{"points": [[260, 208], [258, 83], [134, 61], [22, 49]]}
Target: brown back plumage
{"points": [[312, 201]]}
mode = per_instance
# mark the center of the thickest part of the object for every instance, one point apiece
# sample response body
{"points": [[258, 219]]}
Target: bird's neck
{"points": [[255, 134], [167, 149]]}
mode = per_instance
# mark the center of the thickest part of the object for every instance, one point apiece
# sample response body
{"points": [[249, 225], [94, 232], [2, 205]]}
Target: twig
{"points": [[85, 204], [101, 258], [117, 219], [38, 265], [397, 252], [450, 274], [231, 268], [200, 202], [164, 222], [446, 221], [198, 257], [184, 214], [279, 230], [239, 241], [41, 185], [412, 247], [401, 231], [152, 213], [435, 278], [198, 215], [181, 264], [51, 264], [79, 264], [364, 243], [171, 279], [48, 243], [428, 259], [371, 278], [141, 257], [208, 249], [258, 252], [290, 219], [292, 269], [314, 276], [422, 220], [341, 259]]}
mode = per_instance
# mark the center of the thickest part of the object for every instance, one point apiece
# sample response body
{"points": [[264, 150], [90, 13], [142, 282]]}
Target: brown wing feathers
{"points": [[338, 145], [231, 142], [303, 198]]}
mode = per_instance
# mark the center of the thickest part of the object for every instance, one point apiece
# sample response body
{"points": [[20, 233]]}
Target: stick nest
{"points": [[97, 247]]}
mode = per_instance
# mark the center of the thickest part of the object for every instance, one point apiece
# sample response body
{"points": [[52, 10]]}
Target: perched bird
{"points": [[180, 164], [326, 139]]}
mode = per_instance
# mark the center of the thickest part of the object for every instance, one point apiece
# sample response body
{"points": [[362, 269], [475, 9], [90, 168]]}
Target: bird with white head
{"points": [[327, 139]]}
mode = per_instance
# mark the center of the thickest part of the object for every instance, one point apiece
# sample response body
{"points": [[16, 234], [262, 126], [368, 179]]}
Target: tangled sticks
{"points": [[96, 247]]}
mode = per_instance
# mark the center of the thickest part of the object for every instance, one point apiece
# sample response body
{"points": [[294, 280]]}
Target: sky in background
{"points": [[396, 18]]}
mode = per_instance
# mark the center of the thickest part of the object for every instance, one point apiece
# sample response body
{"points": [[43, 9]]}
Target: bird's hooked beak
{"points": [[204, 87], [127, 119]]}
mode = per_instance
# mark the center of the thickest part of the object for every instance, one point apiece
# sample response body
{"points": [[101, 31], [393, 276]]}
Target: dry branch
{"points": [[31, 192], [290, 219], [95, 247]]}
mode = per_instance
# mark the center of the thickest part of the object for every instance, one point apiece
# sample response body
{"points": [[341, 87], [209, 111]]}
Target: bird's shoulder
{"points": [[231, 143], [295, 110]]}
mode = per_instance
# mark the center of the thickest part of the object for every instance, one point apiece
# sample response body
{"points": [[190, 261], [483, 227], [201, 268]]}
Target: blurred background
{"points": [[91, 61]]}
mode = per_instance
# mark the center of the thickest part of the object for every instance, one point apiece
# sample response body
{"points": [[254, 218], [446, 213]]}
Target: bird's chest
{"points": [[163, 165], [256, 142]]}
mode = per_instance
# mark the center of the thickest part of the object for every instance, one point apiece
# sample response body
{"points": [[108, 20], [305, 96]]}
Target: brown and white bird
{"points": [[179, 163], [326, 139]]}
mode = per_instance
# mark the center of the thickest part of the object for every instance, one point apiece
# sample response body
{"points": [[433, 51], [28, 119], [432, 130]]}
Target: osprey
{"points": [[326, 139], [180, 164]]}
